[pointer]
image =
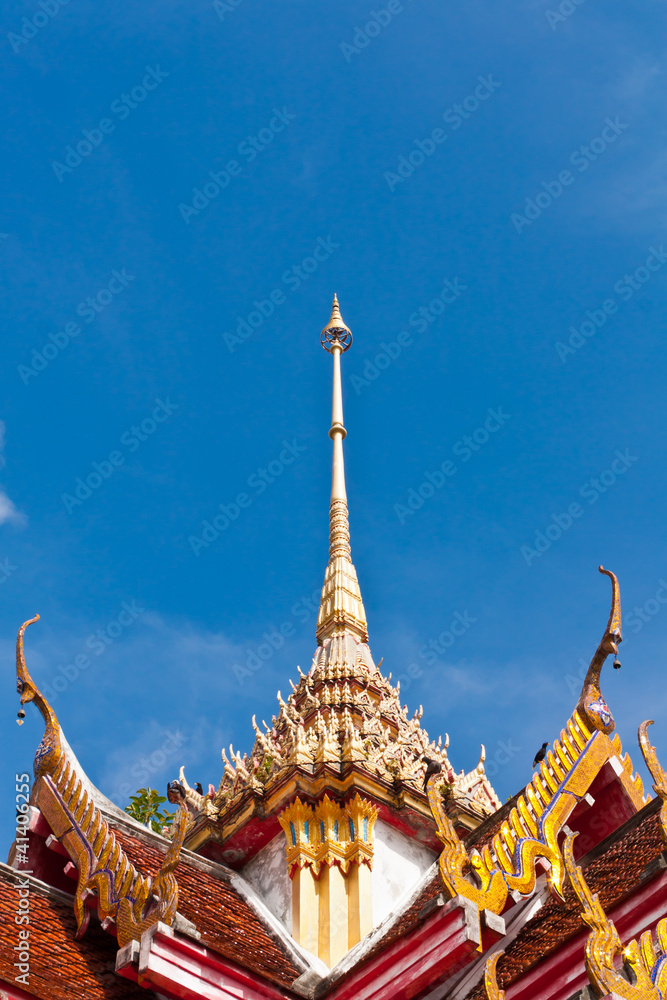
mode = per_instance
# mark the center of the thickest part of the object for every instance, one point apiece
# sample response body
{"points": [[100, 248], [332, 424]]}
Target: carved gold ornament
{"points": [[124, 895], [648, 967], [532, 829], [655, 769], [327, 834], [493, 991]]}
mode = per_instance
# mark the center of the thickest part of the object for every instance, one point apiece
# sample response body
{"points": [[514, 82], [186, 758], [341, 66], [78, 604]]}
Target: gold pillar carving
{"points": [[305, 910], [333, 914], [329, 857], [360, 904]]}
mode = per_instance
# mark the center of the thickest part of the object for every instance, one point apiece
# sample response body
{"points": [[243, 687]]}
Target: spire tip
{"points": [[336, 331]]}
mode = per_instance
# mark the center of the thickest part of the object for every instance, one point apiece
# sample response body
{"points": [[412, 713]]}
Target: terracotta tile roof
{"points": [[60, 967], [86, 968], [612, 870], [226, 922]]}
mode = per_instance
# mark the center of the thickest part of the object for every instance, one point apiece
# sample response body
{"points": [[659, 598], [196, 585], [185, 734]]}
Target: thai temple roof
{"points": [[344, 857], [343, 723]]}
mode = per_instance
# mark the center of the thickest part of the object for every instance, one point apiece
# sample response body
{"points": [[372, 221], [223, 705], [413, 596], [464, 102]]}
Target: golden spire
{"points": [[341, 608]]}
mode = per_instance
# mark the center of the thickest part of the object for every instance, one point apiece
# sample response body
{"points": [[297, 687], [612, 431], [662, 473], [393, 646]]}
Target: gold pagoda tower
{"points": [[333, 789]]}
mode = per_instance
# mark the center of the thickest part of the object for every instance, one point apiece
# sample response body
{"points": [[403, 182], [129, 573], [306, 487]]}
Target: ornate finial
{"points": [[657, 773], [49, 750], [336, 331], [24, 684], [341, 608], [591, 703]]}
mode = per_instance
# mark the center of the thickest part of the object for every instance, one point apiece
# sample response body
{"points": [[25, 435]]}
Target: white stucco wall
{"points": [[267, 873], [398, 863]]}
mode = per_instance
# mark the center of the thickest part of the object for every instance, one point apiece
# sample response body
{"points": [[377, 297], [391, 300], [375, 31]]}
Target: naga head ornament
{"points": [[24, 683], [49, 751], [592, 705]]}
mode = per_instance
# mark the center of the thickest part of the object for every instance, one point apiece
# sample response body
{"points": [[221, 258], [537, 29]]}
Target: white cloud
{"points": [[8, 511]]}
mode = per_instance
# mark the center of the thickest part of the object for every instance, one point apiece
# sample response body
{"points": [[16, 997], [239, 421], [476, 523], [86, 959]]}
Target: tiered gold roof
{"points": [[345, 712]]}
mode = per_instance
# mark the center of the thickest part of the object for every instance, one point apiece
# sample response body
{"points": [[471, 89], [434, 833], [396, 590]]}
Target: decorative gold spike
{"points": [[504, 858], [541, 788], [81, 809], [578, 739], [553, 766], [517, 825], [563, 757], [569, 747], [341, 607], [528, 820], [657, 773]]}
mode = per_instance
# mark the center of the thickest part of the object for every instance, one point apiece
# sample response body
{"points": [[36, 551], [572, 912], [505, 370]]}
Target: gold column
{"points": [[305, 910], [333, 912], [329, 858], [360, 904]]}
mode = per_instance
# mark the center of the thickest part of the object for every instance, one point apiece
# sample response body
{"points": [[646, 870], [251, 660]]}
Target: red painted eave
{"points": [[184, 970], [181, 969], [446, 942]]}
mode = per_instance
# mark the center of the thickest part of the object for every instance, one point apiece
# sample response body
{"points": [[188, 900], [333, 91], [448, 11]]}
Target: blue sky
{"points": [[184, 188]]}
